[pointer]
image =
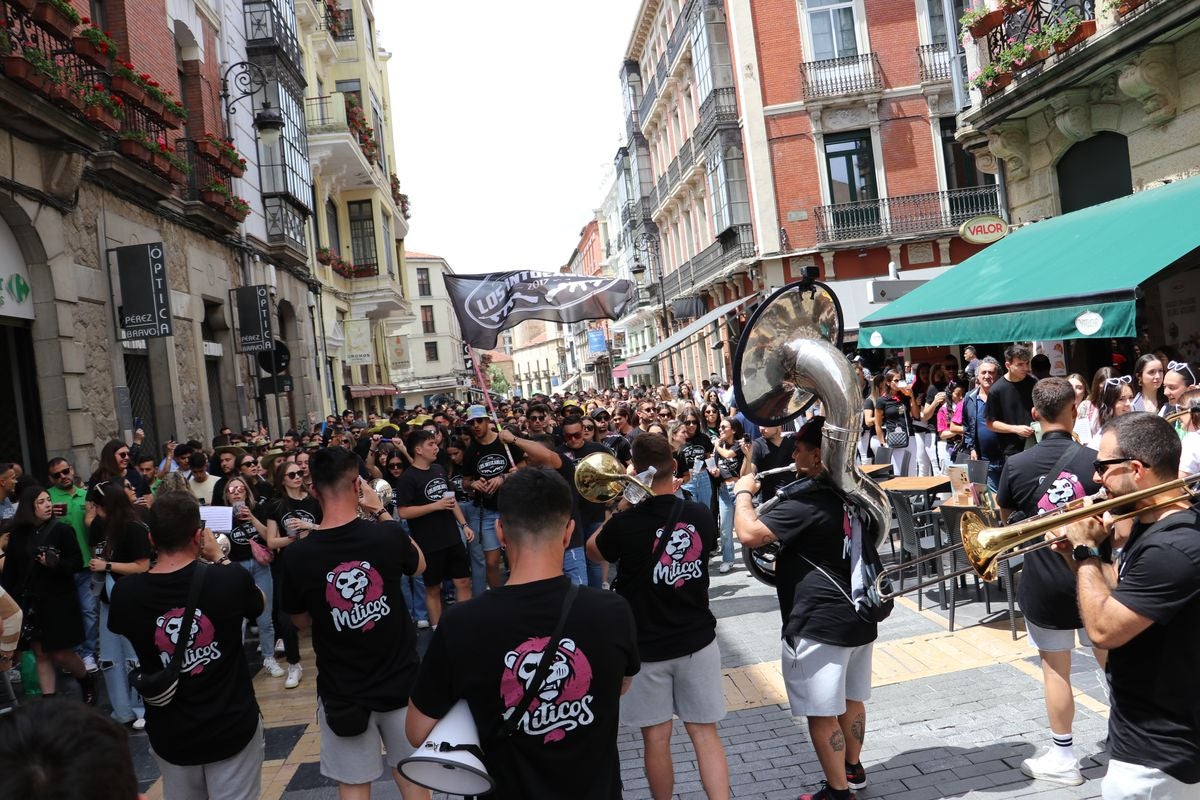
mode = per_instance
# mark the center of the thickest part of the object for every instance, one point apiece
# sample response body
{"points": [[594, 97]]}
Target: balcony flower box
{"points": [[171, 119], [1083, 30], [134, 149], [1127, 6], [987, 23], [217, 200], [177, 175], [324, 256], [236, 168], [153, 105], [23, 73], [128, 87], [25, 5], [160, 162], [210, 150], [52, 19], [91, 53], [997, 84], [237, 213], [65, 96], [101, 118], [1030, 59]]}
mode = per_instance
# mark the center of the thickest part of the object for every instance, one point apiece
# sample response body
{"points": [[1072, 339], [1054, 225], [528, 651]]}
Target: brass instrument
{"points": [[1181, 414], [776, 471], [787, 358], [986, 545], [600, 478], [386, 495]]}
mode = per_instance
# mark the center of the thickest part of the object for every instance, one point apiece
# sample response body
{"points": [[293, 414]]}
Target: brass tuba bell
{"points": [[600, 478]]}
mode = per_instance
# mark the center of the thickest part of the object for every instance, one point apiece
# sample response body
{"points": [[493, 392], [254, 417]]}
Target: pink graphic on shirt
{"points": [[202, 648], [563, 702], [354, 591], [1065, 488], [682, 558]]}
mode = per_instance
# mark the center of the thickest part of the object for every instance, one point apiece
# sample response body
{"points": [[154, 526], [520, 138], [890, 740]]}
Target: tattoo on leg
{"points": [[837, 741], [858, 728]]}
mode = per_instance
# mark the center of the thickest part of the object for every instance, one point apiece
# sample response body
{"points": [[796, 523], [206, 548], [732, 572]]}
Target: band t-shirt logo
{"points": [[354, 590], [436, 489], [1062, 490], [563, 702], [492, 465], [202, 647], [681, 556]]}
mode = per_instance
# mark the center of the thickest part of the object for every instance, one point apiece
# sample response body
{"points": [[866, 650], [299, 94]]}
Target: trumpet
{"points": [[986, 546], [600, 478]]}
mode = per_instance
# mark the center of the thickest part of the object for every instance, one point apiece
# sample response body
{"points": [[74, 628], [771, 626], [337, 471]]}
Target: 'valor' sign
{"points": [[984, 229], [145, 310]]}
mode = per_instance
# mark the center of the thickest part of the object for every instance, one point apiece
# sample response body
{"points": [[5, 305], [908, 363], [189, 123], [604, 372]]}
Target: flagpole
{"points": [[487, 398]]}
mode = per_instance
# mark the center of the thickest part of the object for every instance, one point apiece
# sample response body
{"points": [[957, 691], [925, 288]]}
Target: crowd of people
{"points": [[364, 529]]}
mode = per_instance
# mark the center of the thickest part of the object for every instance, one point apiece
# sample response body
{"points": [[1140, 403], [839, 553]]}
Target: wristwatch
{"points": [[1082, 552], [108, 566]]}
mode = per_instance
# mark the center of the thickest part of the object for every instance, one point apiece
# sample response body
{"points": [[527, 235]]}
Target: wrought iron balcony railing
{"points": [[841, 76], [268, 28], [736, 244], [904, 215], [935, 62], [685, 156], [718, 109], [673, 174], [346, 34], [647, 101], [661, 190]]}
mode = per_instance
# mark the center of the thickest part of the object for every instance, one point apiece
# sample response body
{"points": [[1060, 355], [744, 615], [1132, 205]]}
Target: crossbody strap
{"points": [[513, 720], [189, 614], [1069, 453]]}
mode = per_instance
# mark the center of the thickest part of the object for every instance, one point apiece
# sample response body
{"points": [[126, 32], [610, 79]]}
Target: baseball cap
{"points": [[571, 408], [477, 412], [810, 432]]}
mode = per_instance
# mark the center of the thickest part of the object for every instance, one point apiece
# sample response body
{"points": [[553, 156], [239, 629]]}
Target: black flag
{"points": [[487, 304]]}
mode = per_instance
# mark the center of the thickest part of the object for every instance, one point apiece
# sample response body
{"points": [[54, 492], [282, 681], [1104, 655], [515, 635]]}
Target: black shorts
{"points": [[452, 562]]}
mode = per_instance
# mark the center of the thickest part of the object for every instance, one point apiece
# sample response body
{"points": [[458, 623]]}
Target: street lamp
{"points": [[648, 244], [251, 79]]}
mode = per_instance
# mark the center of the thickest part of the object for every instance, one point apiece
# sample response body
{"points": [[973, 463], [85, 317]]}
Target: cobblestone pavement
{"points": [[952, 713]]}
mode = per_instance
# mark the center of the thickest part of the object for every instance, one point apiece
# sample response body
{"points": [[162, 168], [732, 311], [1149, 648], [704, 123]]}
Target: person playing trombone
{"points": [[1144, 609]]}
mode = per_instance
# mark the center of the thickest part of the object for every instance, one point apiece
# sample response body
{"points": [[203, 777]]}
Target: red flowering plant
{"points": [[97, 94], [217, 185], [65, 9], [99, 39], [239, 204]]}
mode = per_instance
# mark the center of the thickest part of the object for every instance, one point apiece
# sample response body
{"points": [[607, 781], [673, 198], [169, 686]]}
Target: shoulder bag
{"points": [[158, 688], [896, 436]]}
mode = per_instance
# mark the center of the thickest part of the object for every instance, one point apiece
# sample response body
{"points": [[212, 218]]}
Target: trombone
{"points": [[986, 546]]}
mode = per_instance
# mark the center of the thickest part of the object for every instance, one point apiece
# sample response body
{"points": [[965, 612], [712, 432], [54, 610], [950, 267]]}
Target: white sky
{"points": [[506, 116]]}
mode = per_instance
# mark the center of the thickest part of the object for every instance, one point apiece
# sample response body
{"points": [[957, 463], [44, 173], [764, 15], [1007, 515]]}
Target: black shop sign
{"points": [[254, 319], [145, 310]]}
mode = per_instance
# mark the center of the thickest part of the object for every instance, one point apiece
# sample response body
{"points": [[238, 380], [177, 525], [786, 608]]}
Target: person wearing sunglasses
{"points": [[1144, 610], [486, 465], [70, 507], [1116, 399], [1052, 473]]}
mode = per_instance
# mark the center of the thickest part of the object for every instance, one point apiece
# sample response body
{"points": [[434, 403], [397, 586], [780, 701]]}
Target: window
{"points": [[1094, 171], [424, 288], [727, 186], [961, 172], [332, 236], [431, 353], [389, 246], [427, 325], [711, 56], [851, 167], [937, 18], [362, 233], [377, 121], [831, 23]]}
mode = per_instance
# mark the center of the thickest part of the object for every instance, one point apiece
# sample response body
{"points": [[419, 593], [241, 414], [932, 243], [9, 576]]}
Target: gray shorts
{"points": [[821, 677], [1125, 781], [358, 759], [238, 777], [688, 686], [1052, 641]]}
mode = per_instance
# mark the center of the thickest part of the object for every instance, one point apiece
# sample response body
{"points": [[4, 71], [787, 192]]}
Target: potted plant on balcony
{"points": [[237, 208], [1011, 7], [153, 100], [324, 256], [66, 92], [1122, 7], [56, 17], [160, 156], [979, 21], [215, 193], [94, 45], [103, 109], [180, 168], [174, 113], [135, 145], [31, 68], [1034, 49], [989, 79], [125, 81], [211, 148], [1069, 30]]}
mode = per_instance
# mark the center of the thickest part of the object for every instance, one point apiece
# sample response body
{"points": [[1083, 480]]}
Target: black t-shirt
{"points": [[488, 461], [730, 468], [214, 713], [813, 526], [1011, 403], [132, 545], [1046, 590], [699, 447], [456, 485], [283, 508], [765, 456], [589, 513], [669, 597], [486, 650], [1155, 715], [437, 530], [894, 410], [618, 445], [348, 580], [868, 405]]}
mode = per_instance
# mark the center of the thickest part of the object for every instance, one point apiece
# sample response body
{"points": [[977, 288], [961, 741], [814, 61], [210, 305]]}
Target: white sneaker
{"points": [[725, 567], [89, 663], [294, 672], [422, 624], [1049, 766], [279, 648], [272, 668], [139, 724]]}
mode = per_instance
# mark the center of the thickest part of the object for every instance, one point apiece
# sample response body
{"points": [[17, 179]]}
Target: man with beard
{"points": [[1145, 611], [826, 646], [486, 466], [978, 438]]}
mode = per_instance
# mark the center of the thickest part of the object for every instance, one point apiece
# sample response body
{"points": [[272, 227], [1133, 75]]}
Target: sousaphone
{"points": [[789, 357]]}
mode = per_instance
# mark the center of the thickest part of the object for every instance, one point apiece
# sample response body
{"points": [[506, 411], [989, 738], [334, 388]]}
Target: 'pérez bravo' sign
{"points": [[984, 229], [145, 310]]}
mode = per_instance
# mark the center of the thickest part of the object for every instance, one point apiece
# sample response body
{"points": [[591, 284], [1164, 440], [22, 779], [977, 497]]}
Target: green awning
{"points": [[1069, 277]]}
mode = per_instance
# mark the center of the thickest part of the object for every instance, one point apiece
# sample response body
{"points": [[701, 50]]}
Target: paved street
{"points": [[952, 714]]}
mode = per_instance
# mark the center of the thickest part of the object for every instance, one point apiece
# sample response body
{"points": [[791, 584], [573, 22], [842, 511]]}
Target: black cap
{"points": [[810, 432]]}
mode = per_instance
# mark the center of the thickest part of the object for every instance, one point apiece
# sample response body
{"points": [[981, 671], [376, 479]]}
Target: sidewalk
{"points": [[952, 714]]}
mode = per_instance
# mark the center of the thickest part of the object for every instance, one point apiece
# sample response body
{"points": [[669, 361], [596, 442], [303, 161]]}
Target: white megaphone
{"points": [[450, 759]]}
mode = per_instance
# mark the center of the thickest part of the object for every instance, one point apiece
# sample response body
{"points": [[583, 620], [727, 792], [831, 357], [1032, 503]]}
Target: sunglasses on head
{"points": [[1126, 379]]}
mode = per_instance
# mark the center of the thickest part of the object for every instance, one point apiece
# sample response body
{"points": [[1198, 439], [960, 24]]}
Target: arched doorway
{"points": [[22, 436], [1094, 171]]}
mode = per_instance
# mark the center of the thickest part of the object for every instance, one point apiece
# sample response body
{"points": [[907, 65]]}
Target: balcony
{"points": [[633, 127], [718, 110], [270, 31], [333, 145], [661, 190], [345, 33], [733, 245], [685, 156], [934, 60], [837, 77], [673, 174], [648, 97], [1026, 38], [905, 216]]}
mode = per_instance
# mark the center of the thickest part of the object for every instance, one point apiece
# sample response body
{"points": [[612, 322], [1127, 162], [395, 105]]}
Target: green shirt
{"points": [[76, 500]]}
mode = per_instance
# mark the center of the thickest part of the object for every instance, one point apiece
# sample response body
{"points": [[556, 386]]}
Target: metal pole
{"points": [[275, 368]]}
